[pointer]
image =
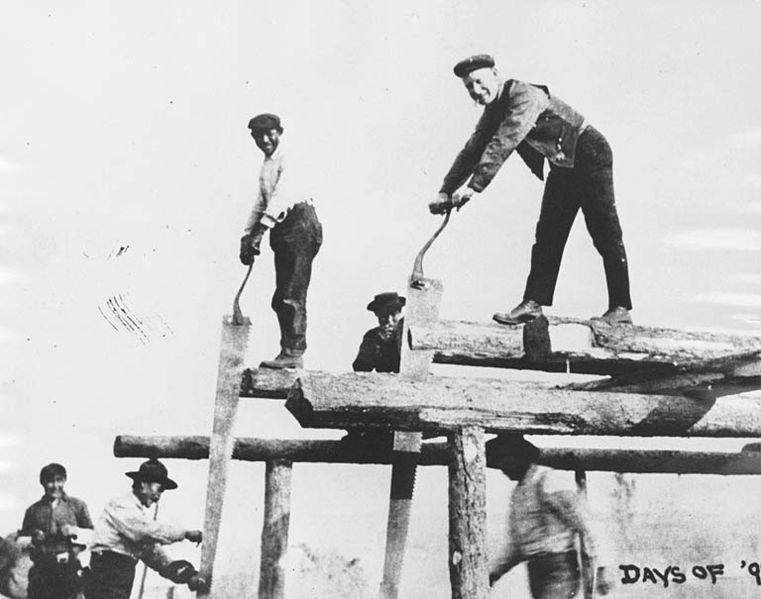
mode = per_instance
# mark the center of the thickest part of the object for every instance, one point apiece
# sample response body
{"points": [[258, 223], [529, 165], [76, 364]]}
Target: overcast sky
{"points": [[127, 175]]}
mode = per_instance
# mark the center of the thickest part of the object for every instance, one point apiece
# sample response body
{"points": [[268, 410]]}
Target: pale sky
{"points": [[127, 175]]}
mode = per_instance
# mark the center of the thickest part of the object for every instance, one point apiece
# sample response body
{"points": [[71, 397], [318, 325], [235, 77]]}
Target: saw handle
{"points": [[238, 318], [417, 269]]}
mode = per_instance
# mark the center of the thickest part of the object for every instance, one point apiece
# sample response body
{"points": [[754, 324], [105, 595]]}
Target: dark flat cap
{"points": [[387, 299], [471, 63], [264, 122], [511, 445]]}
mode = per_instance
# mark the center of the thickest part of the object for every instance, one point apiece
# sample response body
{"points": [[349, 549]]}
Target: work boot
{"points": [[526, 311], [616, 315], [283, 360]]}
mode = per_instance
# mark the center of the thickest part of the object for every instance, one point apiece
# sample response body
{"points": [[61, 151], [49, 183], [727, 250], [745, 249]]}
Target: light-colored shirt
{"points": [[547, 511], [277, 192], [126, 526]]}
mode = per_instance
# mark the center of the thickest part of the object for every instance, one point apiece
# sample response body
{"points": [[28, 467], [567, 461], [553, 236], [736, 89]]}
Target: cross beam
{"points": [[442, 404], [745, 462], [557, 344]]}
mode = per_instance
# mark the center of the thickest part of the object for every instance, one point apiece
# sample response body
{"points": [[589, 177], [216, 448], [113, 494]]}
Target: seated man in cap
{"points": [[295, 238], [52, 523], [547, 512], [127, 532], [528, 119], [381, 346]]}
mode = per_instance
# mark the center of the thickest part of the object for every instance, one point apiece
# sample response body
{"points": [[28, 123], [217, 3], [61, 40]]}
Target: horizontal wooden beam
{"points": [[387, 401], [267, 383], [581, 346], [435, 454], [262, 450], [716, 377]]}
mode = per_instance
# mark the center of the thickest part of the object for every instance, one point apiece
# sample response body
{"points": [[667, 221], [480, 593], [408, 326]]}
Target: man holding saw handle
{"points": [[295, 238], [526, 118]]}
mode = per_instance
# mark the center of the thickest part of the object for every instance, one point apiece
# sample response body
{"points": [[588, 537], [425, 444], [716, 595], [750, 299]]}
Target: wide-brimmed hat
{"points": [[472, 63], [153, 471], [388, 299]]}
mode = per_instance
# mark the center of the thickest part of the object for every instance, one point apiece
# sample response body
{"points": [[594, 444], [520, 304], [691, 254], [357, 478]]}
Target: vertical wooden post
{"points": [[277, 515], [587, 564], [468, 564]]}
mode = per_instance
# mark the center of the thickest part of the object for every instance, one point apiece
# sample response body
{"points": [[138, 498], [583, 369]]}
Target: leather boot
{"points": [[526, 311], [284, 360], [616, 315]]}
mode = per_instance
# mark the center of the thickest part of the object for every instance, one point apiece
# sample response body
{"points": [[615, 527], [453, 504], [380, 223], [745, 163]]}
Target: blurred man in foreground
{"points": [[547, 513]]}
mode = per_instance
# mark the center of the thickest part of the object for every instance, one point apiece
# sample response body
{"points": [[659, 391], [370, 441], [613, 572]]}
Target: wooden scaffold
{"points": [[661, 382]]}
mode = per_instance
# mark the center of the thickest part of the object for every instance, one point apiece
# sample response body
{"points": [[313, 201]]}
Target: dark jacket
{"points": [[526, 118], [377, 354], [41, 515]]}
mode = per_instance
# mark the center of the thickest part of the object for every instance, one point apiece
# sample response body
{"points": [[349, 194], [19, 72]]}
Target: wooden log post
{"points": [[468, 564], [277, 515]]}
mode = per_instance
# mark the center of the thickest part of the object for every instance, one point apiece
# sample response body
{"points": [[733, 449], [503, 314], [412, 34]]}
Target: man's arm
{"points": [[285, 192], [131, 522], [527, 102], [465, 162], [28, 525], [571, 508], [504, 564], [83, 516], [369, 350]]}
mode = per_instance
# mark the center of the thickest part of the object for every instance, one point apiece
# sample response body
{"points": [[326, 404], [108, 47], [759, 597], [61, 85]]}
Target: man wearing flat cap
{"points": [[381, 346], [295, 238], [528, 119], [547, 512], [127, 532]]}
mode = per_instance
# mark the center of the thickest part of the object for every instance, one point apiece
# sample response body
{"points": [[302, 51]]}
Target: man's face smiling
{"points": [[266, 140], [482, 85], [54, 487]]}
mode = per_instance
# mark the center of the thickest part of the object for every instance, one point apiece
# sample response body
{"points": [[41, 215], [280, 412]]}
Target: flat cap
{"points": [[510, 444], [387, 299], [471, 63], [264, 122]]}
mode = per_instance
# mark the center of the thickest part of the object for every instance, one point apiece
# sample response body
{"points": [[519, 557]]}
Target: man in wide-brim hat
{"points": [[381, 346], [127, 532]]}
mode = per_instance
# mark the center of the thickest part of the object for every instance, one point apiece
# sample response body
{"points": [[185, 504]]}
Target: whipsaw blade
{"points": [[588, 569], [231, 363], [422, 308]]}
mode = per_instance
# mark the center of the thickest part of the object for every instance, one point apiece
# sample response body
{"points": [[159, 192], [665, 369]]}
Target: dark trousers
{"points": [[554, 575], [111, 576], [49, 579], [295, 242], [587, 186]]}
